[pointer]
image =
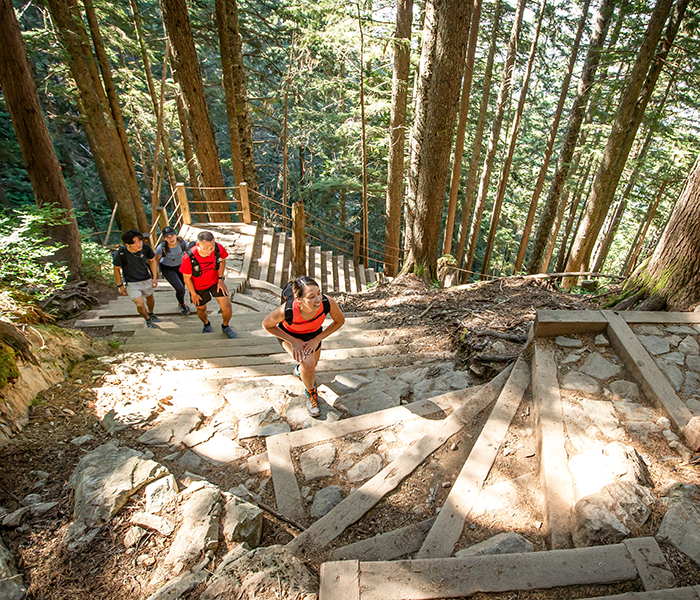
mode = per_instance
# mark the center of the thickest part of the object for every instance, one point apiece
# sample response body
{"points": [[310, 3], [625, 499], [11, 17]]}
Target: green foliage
{"points": [[26, 252], [97, 262], [8, 366]]}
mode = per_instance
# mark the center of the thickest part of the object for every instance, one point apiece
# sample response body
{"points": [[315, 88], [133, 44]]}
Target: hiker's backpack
{"points": [[287, 298], [196, 268]]}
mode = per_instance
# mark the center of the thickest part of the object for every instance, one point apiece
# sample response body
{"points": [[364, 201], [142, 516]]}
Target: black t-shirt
{"points": [[136, 267]]}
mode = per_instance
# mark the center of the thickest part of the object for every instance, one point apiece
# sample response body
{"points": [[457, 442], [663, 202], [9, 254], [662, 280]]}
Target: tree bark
{"points": [[190, 159], [550, 140], [461, 127], [364, 214], [573, 128], [43, 168], [636, 247], [245, 134], [478, 135], [563, 246], [673, 271], [99, 118], [503, 97], [397, 136], [441, 64], [177, 24], [512, 139], [624, 129]]}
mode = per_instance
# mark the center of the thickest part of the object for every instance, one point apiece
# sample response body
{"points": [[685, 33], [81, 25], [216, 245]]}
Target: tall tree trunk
{"points": [[43, 168], [397, 136], [550, 140], [573, 128], [672, 274], [461, 127], [624, 129], [190, 160], [93, 101], [441, 64], [503, 98], [643, 228], [364, 240], [177, 24], [115, 109], [512, 140], [245, 134], [478, 135], [557, 224], [563, 246], [229, 88]]}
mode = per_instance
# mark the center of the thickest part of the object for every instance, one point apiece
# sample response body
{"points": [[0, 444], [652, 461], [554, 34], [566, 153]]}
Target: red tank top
{"points": [[301, 325]]}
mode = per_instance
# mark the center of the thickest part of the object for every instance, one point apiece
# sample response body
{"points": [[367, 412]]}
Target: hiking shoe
{"points": [[206, 328], [230, 333], [149, 323], [184, 310], [312, 402], [297, 371], [154, 318]]}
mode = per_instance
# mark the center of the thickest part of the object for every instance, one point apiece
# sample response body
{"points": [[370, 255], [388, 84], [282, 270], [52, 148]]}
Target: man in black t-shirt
{"points": [[136, 273]]}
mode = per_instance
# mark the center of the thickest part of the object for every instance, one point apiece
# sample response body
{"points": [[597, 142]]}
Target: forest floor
{"points": [[426, 319]]}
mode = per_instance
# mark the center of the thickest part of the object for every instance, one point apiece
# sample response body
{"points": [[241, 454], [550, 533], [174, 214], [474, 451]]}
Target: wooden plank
{"points": [[562, 322], [363, 278], [259, 284], [651, 564], [445, 534], [284, 479], [457, 577], [312, 541], [386, 546], [685, 593], [672, 318], [266, 253], [279, 262], [557, 485], [339, 581], [317, 266], [340, 268], [644, 369], [328, 262], [250, 302], [248, 255], [371, 276], [350, 273]]}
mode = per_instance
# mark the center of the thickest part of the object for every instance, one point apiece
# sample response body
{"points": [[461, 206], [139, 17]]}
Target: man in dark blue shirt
{"points": [[136, 273]]}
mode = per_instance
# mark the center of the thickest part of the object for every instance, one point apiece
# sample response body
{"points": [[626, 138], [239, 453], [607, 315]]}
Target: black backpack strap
{"points": [[289, 310], [183, 245], [326, 304], [196, 270]]}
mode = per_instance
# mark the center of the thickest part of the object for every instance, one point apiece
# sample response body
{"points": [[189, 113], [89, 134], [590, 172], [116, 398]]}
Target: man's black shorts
{"points": [[208, 294]]}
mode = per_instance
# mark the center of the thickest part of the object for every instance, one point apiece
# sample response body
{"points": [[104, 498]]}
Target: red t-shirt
{"points": [[210, 275]]}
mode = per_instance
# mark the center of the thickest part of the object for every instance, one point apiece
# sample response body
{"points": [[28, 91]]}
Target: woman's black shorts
{"points": [[304, 337]]}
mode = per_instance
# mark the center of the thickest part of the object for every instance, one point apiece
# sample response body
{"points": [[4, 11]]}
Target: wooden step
{"points": [[350, 274], [327, 271], [248, 256], [266, 256], [279, 260], [362, 277], [339, 272]]}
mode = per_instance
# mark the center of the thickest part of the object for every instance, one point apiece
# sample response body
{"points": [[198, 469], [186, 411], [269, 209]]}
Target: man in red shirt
{"points": [[203, 267]]}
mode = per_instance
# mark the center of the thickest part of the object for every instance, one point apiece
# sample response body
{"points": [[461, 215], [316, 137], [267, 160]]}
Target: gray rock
{"points": [[133, 536], [672, 372], [677, 358], [602, 413], [242, 521], [631, 411], [220, 450], [601, 340], [681, 330], [694, 405], [567, 342], [674, 340], [579, 382], [79, 441], [42, 508], [162, 525], [11, 584], [199, 531], [351, 381], [664, 423], [307, 492], [655, 344], [649, 330], [160, 494], [689, 346], [190, 461], [31, 499], [128, 413], [680, 526], [198, 436], [609, 516], [692, 383], [693, 362], [594, 469], [14, 519], [643, 429], [599, 367], [572, 357], [502, 543], [624, 390], [366, 468], [103, 481], [299, 418], [374, 396], [251, 397], [362, 447], [325, 500], [178, 587], [582, 433], [262, 424], [248, 575], [682, 450], [173, 427], [315, 462], [457, 380], [414, 376]]}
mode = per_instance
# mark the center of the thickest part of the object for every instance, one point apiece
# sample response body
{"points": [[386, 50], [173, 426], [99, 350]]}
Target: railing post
{"points": [[298, 240], [184, 205], [163, 217], [356, 248], [245, 206]]}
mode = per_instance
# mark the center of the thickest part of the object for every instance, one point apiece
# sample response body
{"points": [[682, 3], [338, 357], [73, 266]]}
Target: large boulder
{"points": [[11, 585], [268, 573], [103, 481], [612, 514], [680, 526], [242, 521]]}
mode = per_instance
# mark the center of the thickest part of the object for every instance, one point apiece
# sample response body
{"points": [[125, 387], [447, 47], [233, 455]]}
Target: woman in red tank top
{"points": [[303, 336]]}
